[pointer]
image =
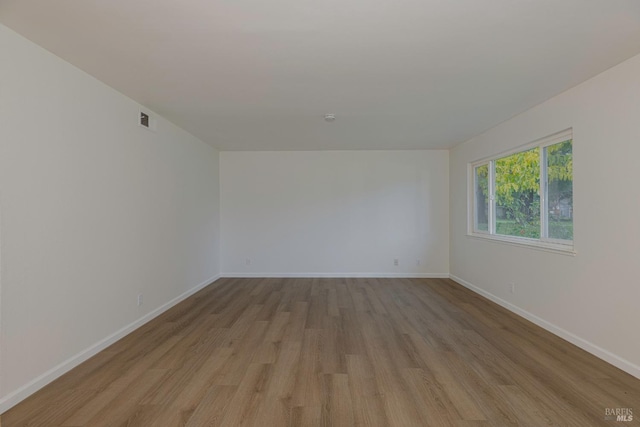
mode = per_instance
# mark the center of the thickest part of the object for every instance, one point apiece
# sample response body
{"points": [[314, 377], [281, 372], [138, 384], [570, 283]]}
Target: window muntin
{"points": [[527, 195]]}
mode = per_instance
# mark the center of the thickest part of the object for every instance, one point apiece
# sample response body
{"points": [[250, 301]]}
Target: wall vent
{"points": [[145, 120]]}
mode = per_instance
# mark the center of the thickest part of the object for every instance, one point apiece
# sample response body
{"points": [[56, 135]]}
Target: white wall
{"points": [[94, 210], [334, 213], [592, 298]]}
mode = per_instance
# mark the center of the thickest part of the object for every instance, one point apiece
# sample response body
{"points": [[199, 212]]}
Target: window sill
{"points": [[527, 243]]}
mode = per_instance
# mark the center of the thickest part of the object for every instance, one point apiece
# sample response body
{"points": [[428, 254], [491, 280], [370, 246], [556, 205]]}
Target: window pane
{"points": [[517, 191], [560, 190], [481, 179]]}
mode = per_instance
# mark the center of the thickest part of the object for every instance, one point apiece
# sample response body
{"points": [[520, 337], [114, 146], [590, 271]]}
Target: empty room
{"points": [[289, 213]]}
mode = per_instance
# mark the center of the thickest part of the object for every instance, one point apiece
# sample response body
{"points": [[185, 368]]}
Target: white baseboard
{"points": [[339, 275], [597, 351], [16, 396]]}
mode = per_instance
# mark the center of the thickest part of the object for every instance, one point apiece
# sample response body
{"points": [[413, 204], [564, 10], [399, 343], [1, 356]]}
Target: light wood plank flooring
{"points": [[335, 352]]}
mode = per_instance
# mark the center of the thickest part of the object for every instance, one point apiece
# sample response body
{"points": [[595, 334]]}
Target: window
{"points": [[482, 198], [526, 196]]}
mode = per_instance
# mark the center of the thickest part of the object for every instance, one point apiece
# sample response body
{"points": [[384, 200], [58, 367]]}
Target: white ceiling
{"points": [[398, 74]]}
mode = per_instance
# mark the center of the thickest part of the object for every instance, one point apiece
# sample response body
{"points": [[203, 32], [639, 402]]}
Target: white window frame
{"points": [[544, 242]]}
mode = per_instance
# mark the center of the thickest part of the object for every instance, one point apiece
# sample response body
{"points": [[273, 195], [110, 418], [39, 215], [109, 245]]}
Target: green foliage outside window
{"points": [[517, 191]]}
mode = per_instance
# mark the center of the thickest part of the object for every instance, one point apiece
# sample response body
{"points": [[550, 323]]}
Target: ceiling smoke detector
{"points": [[329, 117]]}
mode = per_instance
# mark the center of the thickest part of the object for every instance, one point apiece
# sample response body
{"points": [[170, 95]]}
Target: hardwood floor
{"points": [[335, 352]]}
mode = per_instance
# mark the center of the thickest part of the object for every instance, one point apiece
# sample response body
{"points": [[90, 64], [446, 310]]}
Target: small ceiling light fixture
{"points": [[329, 117]]}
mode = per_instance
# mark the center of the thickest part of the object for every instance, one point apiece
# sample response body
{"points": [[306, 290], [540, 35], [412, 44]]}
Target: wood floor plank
{"points": [[277, 327], [305, 416], [192, 395], [243, 407], [334, 352], [433, 404], [339, 408], [121, 381], [212, 408], [308, 385], [368, 406], [125, 406], [282, 380], [294, 330], [244, 351]]}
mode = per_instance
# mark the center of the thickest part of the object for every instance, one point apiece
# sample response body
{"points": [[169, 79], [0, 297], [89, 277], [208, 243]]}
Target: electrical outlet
{"points": [[512, 288], [396, 262], [418, 263], [139, 300], [247, 261]]}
